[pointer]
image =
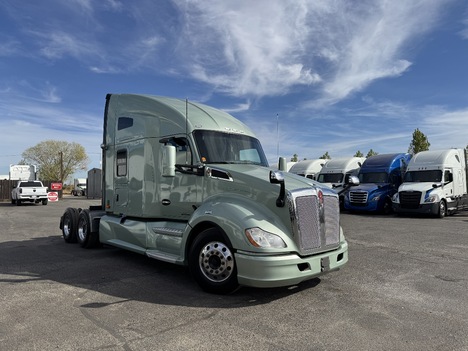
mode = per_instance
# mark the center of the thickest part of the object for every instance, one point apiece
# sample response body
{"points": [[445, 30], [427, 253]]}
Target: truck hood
{"points": [[417, 186], [259, 177], [371, 187]]}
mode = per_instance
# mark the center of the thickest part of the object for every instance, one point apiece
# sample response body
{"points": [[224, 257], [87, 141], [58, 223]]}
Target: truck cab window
{"points": [[218, 147], [124, 122]]}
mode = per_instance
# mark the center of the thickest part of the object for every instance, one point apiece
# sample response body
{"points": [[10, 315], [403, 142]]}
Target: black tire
{"points": [[442, 209], [69, 225], [18, 202], [387, 208], [13, 201], [86, 238], [45, 202], [212, 263]]}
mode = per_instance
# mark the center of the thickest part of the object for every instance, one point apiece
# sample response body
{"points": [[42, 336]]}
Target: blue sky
{"points": [[332, 76]]}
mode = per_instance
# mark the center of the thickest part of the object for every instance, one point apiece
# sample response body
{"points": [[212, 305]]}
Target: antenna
{"points": [[186, 131], [277, 136]]}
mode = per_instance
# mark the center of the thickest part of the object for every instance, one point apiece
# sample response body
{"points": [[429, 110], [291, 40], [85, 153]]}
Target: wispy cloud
{"points": [[333, 48]]}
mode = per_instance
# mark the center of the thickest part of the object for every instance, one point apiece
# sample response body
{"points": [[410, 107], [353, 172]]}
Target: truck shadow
{"points": [[122, 274]]}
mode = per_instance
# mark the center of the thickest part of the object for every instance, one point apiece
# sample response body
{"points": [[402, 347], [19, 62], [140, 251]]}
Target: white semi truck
{"points": [[308, 168], [435, 183], [336, 172], [79, 186], [189, 184]]}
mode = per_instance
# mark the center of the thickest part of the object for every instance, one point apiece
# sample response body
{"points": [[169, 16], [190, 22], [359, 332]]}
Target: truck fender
{"points": [[233, 214]]}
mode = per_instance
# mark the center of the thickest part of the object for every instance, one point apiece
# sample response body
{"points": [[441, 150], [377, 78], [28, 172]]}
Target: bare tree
{"points": [[57, 160]]}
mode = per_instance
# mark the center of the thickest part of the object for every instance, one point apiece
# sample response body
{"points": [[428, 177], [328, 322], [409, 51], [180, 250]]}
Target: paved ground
{"points": [[404, 288]]}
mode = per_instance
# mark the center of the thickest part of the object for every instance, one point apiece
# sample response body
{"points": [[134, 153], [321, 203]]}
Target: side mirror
{"points": [[352, 180], [168, 161], [277, 177]]}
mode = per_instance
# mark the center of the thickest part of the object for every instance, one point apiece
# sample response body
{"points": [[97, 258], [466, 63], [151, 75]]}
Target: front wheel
{"points": [[442, 209], [212, 263]]}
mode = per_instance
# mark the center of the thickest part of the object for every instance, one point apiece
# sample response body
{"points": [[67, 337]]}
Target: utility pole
{"points": [[61, 167]]}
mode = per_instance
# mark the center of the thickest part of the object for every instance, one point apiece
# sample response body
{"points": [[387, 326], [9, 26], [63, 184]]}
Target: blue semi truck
{"points": [[379, 177]]}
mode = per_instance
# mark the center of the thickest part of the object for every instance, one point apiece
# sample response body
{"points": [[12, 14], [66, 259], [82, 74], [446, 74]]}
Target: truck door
{"points": [[448, 183], [179, 194], [458, 183]]}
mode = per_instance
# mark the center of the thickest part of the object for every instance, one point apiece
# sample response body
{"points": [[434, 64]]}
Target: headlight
{"points": [[396, 198], [432, 198], [260, 238]]}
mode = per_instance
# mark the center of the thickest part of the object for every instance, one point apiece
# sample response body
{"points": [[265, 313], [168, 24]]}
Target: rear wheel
{"points": [[212, 263], [45, 201], [86, 238], [69, 225]]}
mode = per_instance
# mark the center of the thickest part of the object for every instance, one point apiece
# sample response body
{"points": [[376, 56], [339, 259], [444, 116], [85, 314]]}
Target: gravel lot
{"points": [[404, 288]]}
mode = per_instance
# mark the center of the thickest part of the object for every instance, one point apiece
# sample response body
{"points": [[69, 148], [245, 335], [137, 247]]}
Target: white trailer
{"points": [[308, 168], [23, 172], [435, 183]]}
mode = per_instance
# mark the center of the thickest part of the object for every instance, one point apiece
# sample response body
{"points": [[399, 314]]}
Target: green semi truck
{"points": [[186, 183]]}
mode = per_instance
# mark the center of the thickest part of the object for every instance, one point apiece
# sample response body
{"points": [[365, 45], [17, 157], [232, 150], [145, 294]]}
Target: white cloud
{"points": [[269, 47], [57, 44]]}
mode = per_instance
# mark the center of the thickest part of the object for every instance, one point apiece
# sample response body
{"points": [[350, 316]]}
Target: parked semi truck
{"points": [[434, 183], [379, 178], [336, 172], [79, 186], [189, 184], [308, 168]]}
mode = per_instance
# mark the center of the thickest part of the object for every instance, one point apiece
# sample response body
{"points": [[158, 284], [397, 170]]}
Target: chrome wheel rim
{"points": [[216, 262]]}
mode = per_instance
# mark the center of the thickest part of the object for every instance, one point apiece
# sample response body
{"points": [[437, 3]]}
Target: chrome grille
{"points": [[315, 228], [332, 220], [308, 222], [359, 197]]}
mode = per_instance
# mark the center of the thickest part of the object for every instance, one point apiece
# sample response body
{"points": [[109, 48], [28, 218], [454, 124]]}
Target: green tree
{"points": [[325, 156], [419, 143], [57, 160], [358, 154], [294, 158], [371, 153]]}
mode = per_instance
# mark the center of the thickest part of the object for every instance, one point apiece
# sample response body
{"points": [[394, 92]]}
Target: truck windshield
{"points": [[218, 147], [330, 178], [423, 176], [373, 177]]}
